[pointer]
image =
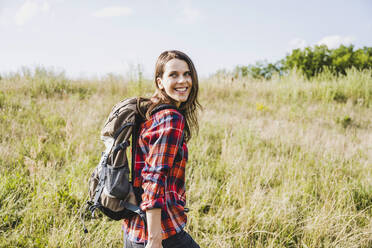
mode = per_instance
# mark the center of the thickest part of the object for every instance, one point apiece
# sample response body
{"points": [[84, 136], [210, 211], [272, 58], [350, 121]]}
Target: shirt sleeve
{"points": [[163, 140]]}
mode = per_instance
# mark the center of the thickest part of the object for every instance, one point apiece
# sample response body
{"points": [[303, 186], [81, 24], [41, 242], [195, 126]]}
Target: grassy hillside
{"points": [[283, 163]]}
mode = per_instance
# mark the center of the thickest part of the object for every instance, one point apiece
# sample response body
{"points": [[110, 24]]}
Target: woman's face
{"points": [[176, 80]]}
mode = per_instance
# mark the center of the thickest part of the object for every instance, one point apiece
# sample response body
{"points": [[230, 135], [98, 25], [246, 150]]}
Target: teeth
{"points": [[181, 89]]}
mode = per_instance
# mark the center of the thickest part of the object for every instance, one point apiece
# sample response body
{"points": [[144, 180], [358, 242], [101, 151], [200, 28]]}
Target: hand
{"points": [[132, 197]]}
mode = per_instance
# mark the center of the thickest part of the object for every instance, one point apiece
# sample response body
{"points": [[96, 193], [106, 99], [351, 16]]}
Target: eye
{"points": [[173, 75], [187, 73]]}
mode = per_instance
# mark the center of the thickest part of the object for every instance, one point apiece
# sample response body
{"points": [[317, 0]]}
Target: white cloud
{"points": [[297, 43], [334, 41], [29, 10], [113, 11]]}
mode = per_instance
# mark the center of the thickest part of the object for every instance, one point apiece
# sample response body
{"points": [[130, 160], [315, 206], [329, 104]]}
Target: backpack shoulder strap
{"points": [[162, 107], [135, 134], [168, 106]]}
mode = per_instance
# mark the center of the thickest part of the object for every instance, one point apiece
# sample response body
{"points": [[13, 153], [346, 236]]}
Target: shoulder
{"points": [[168, 123], [168, 114], [165, 119], [168, 118]]}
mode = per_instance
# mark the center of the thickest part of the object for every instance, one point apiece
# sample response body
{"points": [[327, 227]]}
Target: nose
{"points": [[182, 79]]}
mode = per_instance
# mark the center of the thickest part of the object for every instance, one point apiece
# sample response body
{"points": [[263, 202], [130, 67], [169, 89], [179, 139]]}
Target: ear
{"points": [[160, 83]]}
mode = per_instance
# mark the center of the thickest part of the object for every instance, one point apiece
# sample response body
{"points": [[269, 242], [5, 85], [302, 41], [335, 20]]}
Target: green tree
{"points": [[260, 70], [312, 61]]}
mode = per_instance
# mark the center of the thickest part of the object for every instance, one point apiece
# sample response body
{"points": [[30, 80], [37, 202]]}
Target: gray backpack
{"points": [[110, 189]]}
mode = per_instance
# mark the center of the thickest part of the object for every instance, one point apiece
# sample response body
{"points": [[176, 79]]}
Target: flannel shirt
{"points": [[160, 171]]}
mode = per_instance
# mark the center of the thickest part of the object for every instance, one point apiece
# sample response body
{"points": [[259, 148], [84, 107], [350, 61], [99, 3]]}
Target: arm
{"points": [[162, 140], [154, 228]]}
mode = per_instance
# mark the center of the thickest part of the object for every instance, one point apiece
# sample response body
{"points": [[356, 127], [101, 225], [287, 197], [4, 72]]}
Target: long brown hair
{"points": [[190, 107]]}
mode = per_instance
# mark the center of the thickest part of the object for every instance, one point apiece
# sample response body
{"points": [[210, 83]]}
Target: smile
{"points": [[181, 89]]}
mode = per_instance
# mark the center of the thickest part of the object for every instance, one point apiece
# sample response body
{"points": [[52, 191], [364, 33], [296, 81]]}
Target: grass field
{"points": [[279, 163]]}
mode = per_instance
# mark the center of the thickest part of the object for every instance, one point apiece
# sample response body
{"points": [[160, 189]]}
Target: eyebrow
{"points": [[177, 72]]}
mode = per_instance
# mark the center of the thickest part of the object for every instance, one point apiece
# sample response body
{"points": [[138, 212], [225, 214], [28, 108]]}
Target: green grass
{"points": [[279, 163]]}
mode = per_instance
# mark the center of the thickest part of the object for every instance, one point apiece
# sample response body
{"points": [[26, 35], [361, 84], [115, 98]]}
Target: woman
{"points": [[161, 156]]}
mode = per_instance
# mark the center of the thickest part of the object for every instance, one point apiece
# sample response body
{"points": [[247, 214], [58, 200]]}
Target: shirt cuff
{"points": [[153, 196]]}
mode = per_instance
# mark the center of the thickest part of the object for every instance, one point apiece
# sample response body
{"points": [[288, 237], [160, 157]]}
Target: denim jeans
{"points": [[180, 240]]}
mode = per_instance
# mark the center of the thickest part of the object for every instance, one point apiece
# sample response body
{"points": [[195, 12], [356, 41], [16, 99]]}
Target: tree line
{"points": [[311, 61]]}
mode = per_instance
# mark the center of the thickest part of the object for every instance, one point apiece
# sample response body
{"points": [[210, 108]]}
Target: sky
{"points": [[90, 38]]}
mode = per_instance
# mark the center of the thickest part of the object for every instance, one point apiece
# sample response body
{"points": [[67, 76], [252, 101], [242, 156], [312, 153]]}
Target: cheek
{"points": [[168, 87], [171, 83], [191, 83], [190, 80]]}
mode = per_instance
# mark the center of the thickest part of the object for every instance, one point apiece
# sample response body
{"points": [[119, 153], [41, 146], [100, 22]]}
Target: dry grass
{"points": [[282, 163]]}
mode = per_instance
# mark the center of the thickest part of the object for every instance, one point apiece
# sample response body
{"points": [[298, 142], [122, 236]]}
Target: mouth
{"points": [[183, 89]]}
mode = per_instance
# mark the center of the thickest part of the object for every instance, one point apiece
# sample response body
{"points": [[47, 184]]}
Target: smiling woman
{"points": [[176, 68], [161, 156], [176, 80]]}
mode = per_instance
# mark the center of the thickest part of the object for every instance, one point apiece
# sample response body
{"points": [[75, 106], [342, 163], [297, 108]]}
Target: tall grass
{"points": [[279, 163]]}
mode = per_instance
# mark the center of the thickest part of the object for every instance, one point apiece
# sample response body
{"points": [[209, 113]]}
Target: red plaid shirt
{"points": [[161, 173]]}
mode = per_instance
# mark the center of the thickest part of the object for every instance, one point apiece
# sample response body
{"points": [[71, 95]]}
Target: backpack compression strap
{"points": [[139, 110]]}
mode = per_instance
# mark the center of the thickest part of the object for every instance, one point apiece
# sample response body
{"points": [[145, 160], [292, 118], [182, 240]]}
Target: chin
{"points": [[180, 99], [183, 100]]}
